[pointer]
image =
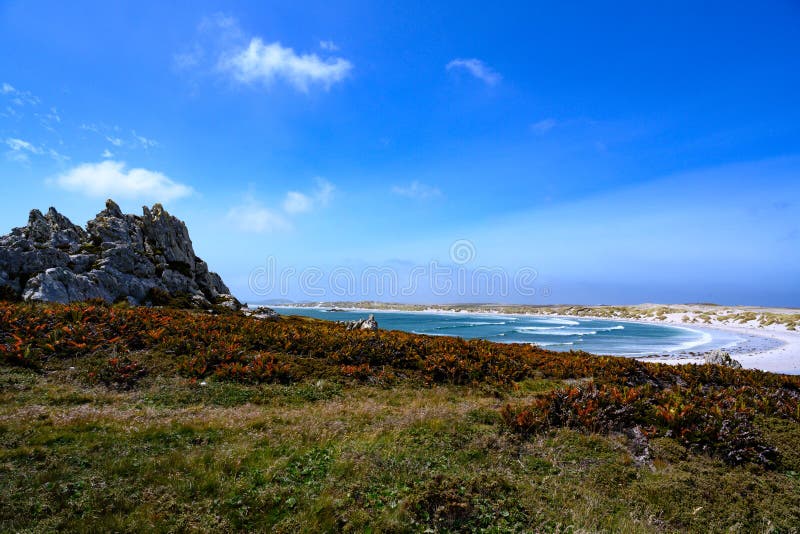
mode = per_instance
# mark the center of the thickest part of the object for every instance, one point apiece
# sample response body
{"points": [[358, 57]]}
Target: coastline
{"points": [[783, 358], [770, 348]]}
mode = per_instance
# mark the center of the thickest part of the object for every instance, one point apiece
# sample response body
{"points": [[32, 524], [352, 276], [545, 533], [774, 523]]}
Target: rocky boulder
{"points": [[262, 312], [720, 357], [145, 259], [363, 324]]}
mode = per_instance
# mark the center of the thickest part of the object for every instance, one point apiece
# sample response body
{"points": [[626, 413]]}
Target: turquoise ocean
{"points": [[623, 338]]}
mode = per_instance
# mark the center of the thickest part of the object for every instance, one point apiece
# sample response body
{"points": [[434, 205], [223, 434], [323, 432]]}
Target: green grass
{"points": [[334, 455]]}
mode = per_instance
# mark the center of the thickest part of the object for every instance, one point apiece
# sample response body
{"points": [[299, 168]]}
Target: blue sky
{"points": [[645, 152]]}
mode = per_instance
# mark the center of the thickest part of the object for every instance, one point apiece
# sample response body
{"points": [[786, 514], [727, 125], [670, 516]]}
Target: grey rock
{"points": [[53, 230], [167, 236], [363, 324], [5, 281], [81, 263], [24, 259], [62, 285], [200, 301], [126, 259], [263, 312], [229, 301], [176, 283], [720, 357], [110, 228], [117, 257]]}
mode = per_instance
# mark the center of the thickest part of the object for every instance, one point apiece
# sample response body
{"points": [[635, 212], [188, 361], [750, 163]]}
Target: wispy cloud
{"points": [[543, 126], [19, 145], [221, 23], [49, 120], [18, 98], [143, 141], [328, 45], [107, 154], [20, 150], [477, 68], [61, 158], [252, 216], [417, 190], [118, 139], [297, 202], [112, 179]]}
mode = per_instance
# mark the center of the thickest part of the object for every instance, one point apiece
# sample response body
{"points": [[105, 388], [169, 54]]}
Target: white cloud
{"points": [[21, 150], [57, 156], [10, 112], [215, 32], [266, 63], [49, 120], [116, 141], [221, 47], [111, 179], [252, 216], [297, 202], [543, 126], [328, 45], [19, 98], [477, 68], [18, 145], [144, 141], [417, 190], [324, 191], [107, 154], [221, 22], [187, 60]]}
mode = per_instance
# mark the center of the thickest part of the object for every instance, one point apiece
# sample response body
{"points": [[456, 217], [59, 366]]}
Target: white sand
{"points": [[782, 359]]}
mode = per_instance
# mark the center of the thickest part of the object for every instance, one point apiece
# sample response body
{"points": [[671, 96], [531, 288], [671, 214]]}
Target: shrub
{"points": [[158, 296], [707, 407], [718, 422], [8, 294], [119, 372]]}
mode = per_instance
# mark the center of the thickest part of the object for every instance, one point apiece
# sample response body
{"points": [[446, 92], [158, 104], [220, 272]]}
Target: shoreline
{"points": [[779, 352]]}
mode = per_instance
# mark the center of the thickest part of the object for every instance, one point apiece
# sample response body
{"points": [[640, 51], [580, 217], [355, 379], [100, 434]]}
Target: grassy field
{"points": [[96, 437]]}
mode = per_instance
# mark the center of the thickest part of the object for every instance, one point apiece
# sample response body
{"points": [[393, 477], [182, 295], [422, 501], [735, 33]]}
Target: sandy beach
{"points": [[783, 358]]}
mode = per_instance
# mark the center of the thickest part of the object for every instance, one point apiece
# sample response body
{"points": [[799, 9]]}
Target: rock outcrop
{"points": [[262, 312], [720, 357], [363, 324], [147, 259]]}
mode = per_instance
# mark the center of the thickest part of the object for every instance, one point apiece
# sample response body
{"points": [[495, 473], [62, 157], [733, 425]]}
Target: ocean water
{"points": [[622, 338]]}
